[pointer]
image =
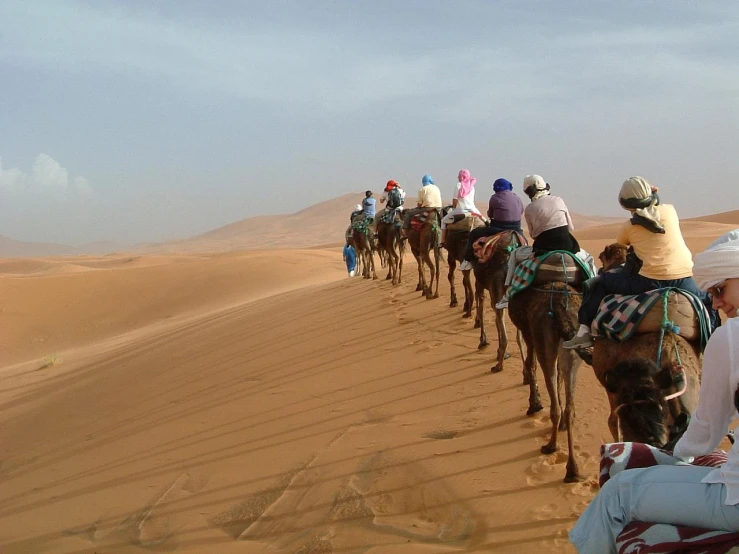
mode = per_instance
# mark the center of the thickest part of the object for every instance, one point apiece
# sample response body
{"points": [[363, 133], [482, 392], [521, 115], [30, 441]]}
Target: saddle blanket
{"points": [[391, 214], [661, 538], [362, 225], [466, 222], [619, 316], [485, 247], [418, 220], [526, 272]]}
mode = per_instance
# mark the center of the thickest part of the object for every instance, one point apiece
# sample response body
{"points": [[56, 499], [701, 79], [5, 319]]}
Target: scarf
{"points": [[427, 180], [466, 182], [720, 261], [638, 197]]}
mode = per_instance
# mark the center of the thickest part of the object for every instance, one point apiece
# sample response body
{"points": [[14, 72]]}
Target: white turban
{"points": [[358, 207], [638, 188], [720, 261]]}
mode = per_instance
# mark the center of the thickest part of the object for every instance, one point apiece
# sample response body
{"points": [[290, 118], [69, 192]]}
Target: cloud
{"points": [[47, 177]]}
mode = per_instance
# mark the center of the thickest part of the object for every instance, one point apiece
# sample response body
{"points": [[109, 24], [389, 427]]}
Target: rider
{"points": [[357, 211], [368, 206], [549, 223], [394, 194], [654, 233], [463, 201], [504, 210], [660, 494], [429, 197]]}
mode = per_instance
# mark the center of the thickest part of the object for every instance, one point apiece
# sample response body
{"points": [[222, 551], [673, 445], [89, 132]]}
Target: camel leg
{"points": [[496, 292], [480, 316], [427, 285], [569, 364], [547, 355], [450, 275], [502, 340], [468, 294], [401, 253], [519, 341], [529, 368], [437, 260], [421, 277], [372, 264]]}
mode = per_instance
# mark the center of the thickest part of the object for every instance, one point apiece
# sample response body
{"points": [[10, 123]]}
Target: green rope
{"points": [[667, 324]]}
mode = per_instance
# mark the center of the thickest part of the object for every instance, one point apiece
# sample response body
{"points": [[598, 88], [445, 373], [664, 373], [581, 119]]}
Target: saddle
{"points": [[485, 247], [558, 266], [679, 311], [466, 222], [361, 224], [391, 215], [419, 220]]}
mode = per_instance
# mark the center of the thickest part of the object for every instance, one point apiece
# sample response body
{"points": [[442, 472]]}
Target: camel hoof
{"points": [[534, 409], [526, 381], [466, 315], [436, 295], [483, 345], [419, 288], [453, 304], [477, 325], [548, 449], [388, 278], [496, 368], [374, 278], [573, 478]]}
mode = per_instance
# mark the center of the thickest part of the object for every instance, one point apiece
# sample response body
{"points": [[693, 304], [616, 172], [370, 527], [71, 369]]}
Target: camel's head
{"points": [[643, 414], [613, 256]]}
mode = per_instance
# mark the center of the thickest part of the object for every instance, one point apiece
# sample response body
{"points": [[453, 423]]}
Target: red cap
{"points": [[390, 185]]}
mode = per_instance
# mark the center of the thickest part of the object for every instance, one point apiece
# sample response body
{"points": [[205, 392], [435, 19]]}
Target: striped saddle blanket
{"points": [[485, 247], [679, 311], [661, 538], [419, 220], [555, 266]]}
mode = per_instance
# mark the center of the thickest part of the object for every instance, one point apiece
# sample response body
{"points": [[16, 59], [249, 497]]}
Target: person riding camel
{"points": [[504, 210], [368, 206], [394, 195], [686, 495], [549, 223], [463, 201], [429, 197], [654, 233], [357, 211]]}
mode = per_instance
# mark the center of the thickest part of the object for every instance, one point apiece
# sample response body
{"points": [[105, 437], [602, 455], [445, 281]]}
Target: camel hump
{"points": [[466, 222], [621, 316], [559, 267]]}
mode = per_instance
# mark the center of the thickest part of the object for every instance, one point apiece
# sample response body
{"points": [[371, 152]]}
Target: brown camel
{"points": [[388, 239], [490, 277], [612, 256], [456, 242], [365, 247], [546, 316], [677, 352], [422, 242], [610, 358]]}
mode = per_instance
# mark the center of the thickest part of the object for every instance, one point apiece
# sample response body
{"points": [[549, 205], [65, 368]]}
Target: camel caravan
{"points": [[641, 321]]}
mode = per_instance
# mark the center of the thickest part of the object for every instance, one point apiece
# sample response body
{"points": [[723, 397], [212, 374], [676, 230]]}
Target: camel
{"points": [[456, 241], [490, 277], [612, 256], [365, 247], [546, 316], [422, 242], [609, 358], [388, 239]]}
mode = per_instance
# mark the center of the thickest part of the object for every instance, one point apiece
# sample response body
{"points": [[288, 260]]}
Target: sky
{"points": [[142, 121]]}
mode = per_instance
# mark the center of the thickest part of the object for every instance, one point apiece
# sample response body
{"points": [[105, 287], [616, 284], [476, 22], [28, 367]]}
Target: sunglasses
{"points": [[717, 290]]}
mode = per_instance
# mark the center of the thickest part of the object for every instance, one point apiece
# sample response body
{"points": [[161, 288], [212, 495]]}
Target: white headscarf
{"points": [[538, 182], [720, 261], [638, 188]]}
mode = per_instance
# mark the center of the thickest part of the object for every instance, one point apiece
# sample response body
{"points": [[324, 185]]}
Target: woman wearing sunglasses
{"points": [[696, 496]]}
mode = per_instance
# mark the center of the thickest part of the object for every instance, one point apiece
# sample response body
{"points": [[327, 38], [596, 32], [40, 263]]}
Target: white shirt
{"points": [[466, 204], [716, 410], [545, 213]]}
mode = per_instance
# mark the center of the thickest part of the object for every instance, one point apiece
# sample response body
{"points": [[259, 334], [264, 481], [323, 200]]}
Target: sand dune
{"points": [[262, 402]]}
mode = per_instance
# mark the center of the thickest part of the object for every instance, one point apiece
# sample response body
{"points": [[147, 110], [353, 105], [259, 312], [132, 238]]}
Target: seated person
{"points": [[463, 201], [394, 194], [504, 210], [429, 196], [549, 223], [368, 206], [654, 233], [691, 495], [357, 211]]}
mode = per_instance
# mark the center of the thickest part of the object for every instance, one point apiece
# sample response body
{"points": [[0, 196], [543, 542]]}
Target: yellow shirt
{"points": [[665, 256]]}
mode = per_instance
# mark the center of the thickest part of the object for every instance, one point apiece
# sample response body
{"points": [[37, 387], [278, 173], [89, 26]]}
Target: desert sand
{"points": [[261, 401]]}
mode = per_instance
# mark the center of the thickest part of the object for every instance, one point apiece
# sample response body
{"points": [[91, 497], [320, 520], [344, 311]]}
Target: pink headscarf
{"points": [[466, 181]]}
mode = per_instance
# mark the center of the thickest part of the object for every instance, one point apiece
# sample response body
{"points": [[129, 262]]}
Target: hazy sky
{"points": [[142, 120]]}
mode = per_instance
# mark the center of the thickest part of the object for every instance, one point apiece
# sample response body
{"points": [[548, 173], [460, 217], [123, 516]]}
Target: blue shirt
{"points": [[368, 205]]}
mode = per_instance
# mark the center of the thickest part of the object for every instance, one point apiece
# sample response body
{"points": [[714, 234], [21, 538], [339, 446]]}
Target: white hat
{"points": [[536, 180], [358, 207]]}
